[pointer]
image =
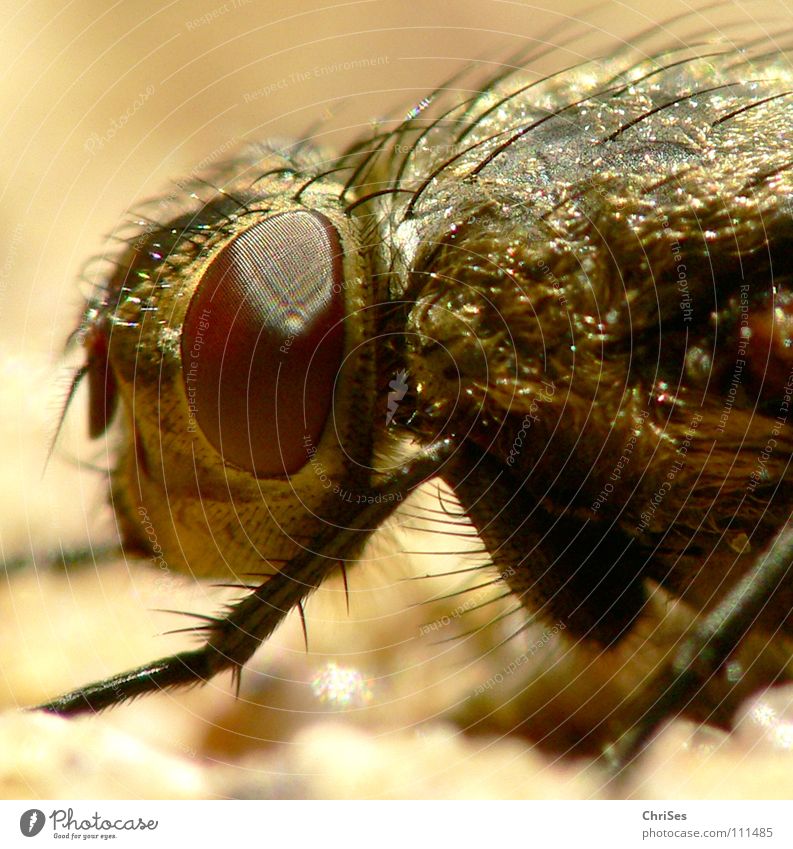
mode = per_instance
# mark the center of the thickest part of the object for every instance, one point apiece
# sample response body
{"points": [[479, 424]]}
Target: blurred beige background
{"points": [[100, 106]]}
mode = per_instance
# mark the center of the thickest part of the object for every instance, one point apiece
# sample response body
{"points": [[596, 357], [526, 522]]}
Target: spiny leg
{"points": [[235, 638], [710, 647]]}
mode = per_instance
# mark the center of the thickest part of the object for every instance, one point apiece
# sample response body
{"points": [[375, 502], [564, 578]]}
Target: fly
{"points": [[569, 299]]}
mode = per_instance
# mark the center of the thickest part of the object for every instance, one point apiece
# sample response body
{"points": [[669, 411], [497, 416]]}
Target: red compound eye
{"points": [[263, 340], [769, 348], [102, 389]]}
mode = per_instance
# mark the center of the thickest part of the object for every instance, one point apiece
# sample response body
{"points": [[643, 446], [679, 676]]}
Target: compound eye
{"points": [[263, 340]]}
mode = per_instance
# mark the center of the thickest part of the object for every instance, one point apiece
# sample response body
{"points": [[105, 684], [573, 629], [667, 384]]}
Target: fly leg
{"points": [[61, 558], [706, 652], [233, 639]]}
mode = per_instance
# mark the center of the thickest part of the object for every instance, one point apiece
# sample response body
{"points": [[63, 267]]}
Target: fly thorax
{"points": [[486, 334]]}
